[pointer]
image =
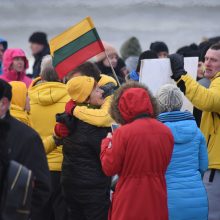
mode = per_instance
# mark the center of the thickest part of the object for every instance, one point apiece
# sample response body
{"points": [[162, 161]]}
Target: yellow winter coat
{"points": [[18, 102], [207, 100], [98, 117], [46, 100], [21, 115]]}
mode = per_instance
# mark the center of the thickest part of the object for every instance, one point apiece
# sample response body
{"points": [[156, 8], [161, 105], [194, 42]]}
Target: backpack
{"points": [[17, 192]]}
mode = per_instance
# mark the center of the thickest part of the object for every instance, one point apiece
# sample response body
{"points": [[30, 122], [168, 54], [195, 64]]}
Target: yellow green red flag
{"points": [[74, 46]]}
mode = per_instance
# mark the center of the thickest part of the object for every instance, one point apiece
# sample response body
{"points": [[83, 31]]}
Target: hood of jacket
{"points": [[105, 79], [4, 43], [46, 93], [133, 103], [8, 57], [182, 125], [19, 94]]}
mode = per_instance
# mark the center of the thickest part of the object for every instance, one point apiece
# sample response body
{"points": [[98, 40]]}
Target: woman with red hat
{"points": [[139, 152]]}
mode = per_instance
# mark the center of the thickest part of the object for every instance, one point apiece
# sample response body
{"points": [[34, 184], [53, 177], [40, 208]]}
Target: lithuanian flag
{"points": [[74, 46]]}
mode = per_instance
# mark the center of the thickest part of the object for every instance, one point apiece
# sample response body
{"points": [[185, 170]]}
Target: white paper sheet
{"points": [[156, 73]]}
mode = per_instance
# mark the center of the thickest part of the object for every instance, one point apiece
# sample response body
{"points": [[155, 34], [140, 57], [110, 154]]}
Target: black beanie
{"points": [[5, 90], [158, 47], [39, 38]]}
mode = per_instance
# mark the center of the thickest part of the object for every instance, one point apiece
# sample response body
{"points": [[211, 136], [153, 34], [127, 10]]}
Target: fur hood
{"points": [[134, 109]]}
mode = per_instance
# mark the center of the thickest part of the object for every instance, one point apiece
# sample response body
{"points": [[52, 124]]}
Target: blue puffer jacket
{"points": [[187, 199], [5, 45]]}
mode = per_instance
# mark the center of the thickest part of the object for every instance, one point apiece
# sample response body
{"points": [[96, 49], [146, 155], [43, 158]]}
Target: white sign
{"points": [[155, 73]]}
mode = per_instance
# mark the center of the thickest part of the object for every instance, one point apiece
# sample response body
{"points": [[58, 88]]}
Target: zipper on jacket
{"points": [[16, 177], [27, 186], [26, 212], [208, 140]]}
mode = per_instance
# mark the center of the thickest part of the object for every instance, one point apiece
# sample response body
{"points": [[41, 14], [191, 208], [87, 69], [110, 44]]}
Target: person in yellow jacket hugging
{"points": [[20, 102], [99, 117], [86, 188], [207, 100]]}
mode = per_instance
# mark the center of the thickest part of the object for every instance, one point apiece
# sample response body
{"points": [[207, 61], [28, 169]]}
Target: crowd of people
{"points": [[166, 162]]}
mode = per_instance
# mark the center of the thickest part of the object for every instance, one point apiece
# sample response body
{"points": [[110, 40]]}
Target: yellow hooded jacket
{"points": [[18, 102], [98, 117], [46, 100], [207, 100]]}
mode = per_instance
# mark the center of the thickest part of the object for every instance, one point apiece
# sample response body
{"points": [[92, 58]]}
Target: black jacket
{"points": [[25, 146], [38, 60], [108, 71], [81, 164]]}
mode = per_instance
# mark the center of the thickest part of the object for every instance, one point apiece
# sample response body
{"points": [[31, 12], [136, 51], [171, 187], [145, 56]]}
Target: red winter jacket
{"points": [[139, 153]]}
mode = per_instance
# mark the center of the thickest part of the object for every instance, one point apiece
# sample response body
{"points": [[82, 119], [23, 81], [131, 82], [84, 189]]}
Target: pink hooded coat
{"points": [[11, 75]]}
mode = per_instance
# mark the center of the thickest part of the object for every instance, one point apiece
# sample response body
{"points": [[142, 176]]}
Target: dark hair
{"points": [[114, 110], [159, 46], [5, 90], [203, 47], [215, 46], [148, 54], [49, 74], [87, 69], [39, 38]]}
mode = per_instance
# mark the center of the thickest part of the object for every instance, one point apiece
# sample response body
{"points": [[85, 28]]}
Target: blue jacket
{"points": [[187, 199], [5, 45]]}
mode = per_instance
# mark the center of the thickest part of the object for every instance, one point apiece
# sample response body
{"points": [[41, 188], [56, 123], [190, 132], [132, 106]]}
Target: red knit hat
{"points": [[133, 102]]}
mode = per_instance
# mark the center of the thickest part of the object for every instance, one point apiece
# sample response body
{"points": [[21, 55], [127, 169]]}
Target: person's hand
{"points": [[177, 66], [61, 130], [109, 135], [70, 105], [107, 142]]}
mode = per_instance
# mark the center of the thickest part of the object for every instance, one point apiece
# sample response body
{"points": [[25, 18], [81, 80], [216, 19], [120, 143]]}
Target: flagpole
{"points": [[113, 71]]}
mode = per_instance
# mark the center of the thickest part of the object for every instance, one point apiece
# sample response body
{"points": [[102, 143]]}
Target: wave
{"points": [[113, 3]]}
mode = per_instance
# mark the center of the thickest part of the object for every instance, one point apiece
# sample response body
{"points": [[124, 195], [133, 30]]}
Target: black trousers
{"points": [[56, 208], [86, 204]]}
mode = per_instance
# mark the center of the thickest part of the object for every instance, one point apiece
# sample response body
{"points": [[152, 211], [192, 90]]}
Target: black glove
{"points": [[177, 66], [108, 89]]}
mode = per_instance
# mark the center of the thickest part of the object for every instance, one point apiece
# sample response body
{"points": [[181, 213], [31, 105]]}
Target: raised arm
{"points": [[98, 117], [112, 154]]}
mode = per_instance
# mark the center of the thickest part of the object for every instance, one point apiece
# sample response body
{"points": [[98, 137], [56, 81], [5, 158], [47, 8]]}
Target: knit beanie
{"points": [[39, 38], [169, 98], [19, 93], [110, 50], [79, 88], [158, 47], [131, 47]]}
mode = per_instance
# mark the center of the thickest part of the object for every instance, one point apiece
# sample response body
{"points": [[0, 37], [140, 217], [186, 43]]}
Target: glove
{"points": [[177, 66], [70, 105], [61, 130], [57, 140]]}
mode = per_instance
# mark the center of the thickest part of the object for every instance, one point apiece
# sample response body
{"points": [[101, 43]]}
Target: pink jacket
{"points": [[11, 75]]}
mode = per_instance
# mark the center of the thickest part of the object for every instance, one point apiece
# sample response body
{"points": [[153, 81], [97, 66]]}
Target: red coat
{"points": [[139, 153]]}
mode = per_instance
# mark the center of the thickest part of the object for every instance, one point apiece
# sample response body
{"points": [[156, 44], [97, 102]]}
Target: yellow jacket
{"points": [[98, 117], [207, 100], [20, 114], [46, 100], [18, 102]]}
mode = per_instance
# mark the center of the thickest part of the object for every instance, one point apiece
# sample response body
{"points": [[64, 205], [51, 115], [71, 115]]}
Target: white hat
{"points": [[169, 98]]}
